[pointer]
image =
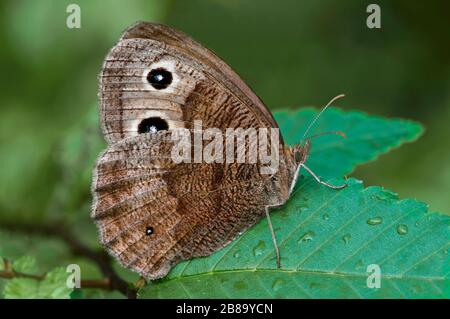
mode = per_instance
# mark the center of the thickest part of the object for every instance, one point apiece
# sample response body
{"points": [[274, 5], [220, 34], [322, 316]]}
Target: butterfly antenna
{"points": [[340, 96]]}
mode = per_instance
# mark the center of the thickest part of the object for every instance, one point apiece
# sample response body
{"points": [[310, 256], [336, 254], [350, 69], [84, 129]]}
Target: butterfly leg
{"points": [[274, 239], [321, 181]]}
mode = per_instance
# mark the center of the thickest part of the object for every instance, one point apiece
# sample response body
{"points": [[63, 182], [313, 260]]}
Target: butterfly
{"points": [[151, 211]]}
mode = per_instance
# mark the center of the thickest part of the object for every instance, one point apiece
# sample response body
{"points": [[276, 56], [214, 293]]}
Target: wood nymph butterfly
{"points": [[153, 212]]}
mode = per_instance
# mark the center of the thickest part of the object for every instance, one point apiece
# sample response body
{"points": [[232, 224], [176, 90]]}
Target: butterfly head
{"points": [[282, 182], [300, 153], [295, 156]]}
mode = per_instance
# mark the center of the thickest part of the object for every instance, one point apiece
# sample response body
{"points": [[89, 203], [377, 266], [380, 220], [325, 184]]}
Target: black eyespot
{"points": [[149, 230], [274, 178], [159, 78], [152, 125]]}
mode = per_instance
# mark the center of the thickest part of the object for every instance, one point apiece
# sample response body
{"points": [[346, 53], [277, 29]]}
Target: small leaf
{"points": [[52, 286], [326, 243], [25, 264], [21, 288]]}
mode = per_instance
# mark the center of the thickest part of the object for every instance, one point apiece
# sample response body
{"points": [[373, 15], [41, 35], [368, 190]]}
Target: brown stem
{"points": [[113, 281], [9, 274]]}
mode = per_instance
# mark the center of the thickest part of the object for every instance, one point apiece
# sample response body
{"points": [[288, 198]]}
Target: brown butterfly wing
{"points": [[204, 87], [151, 212], [190, 209]]}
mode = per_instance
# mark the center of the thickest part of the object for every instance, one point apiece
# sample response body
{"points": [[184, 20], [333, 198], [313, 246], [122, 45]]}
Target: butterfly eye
{"points": [[152, 125], [159, 78], [297, 157], [149, 231]]}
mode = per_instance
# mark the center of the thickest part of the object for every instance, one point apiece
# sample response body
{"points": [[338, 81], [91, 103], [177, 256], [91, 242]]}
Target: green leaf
{"points": [[25, 264], [327, 239], [52, 286], [21, 288], [367, 137]]}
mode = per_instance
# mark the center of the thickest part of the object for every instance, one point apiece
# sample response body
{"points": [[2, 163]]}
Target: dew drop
{"points": [[313, 285], [375, 221], [259, 249], [402, 229], [306, 237], [326, 217], [236, 254], [277, 284], [240, 285], [346, 238], [416, 289], [359, 265]]}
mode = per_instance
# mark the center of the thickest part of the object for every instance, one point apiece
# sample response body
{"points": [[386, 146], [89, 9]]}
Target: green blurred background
{"points": [[292, 53]]}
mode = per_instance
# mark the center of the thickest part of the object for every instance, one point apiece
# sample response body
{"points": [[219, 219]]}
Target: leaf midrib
{"points": [[306, 272]]}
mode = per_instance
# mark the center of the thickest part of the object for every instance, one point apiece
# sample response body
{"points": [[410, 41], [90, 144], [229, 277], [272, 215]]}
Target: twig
{"points": [[101, 258]]}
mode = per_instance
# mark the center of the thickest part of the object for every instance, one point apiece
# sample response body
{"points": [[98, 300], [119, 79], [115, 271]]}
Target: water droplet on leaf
{"points": [[416, 289], [240, 285], [306, 237], [313, 285], [259, 249], [277, 284], [346, 238], [316, 285], [375, 221], [359, 265], [402, 229], [326, 217]]}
